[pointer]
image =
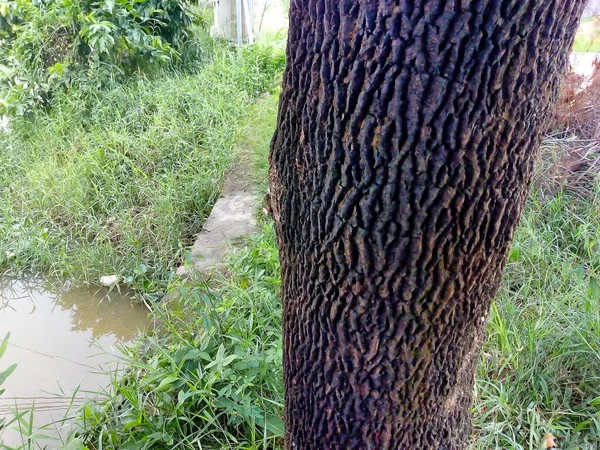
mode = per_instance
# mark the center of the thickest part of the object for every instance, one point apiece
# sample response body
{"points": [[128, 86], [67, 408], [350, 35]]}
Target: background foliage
{"points": [[51, 45], [118, 182]]}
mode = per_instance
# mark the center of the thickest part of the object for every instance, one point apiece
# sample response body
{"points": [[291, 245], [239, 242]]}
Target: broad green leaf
{"points": [[274, 424], [205, 356], [134, 422], [183, 396], [166, 383], [594, 288], [4, 344], [193, 354], [4, 375], [228, 360], [212, 364]]}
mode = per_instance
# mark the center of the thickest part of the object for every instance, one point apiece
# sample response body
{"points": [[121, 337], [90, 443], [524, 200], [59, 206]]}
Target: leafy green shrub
{"points": [[47, 45]]}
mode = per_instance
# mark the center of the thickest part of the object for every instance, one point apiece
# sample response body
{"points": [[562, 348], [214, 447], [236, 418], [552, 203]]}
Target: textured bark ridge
{"points": [[403, 156]]}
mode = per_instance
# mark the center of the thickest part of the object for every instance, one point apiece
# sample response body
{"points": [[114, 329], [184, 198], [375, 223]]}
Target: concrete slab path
{"points": [[233, 216]]}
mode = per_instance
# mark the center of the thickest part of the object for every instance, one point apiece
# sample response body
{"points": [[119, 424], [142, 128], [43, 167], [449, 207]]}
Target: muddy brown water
{"points": [[65, 343]]}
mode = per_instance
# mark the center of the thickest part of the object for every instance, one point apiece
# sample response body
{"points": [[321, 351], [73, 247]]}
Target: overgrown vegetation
{"points": [[212, 378], [118, 181], [540, 365]]}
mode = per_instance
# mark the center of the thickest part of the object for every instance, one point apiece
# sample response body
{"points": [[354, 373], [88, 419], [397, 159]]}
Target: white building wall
{"points": [[225, 24], [592, 9]]}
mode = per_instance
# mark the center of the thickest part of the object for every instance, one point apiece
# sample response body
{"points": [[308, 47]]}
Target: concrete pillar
{"points": [[226, 20]]}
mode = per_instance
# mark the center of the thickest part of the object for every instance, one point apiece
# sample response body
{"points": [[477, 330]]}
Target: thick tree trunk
{"points": [[402, 159]]}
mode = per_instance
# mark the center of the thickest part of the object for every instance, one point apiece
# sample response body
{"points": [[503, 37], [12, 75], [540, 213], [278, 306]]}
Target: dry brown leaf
{"points": [[549, 441]]}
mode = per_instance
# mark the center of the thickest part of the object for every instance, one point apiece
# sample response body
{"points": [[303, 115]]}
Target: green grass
{"points": [[214, 379], [539, 370], [588, 37], [256, 134], [119, 182], [587, 44]]}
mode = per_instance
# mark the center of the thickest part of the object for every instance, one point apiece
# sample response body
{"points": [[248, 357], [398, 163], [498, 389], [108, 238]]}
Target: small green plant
{"points": [[4, 374]]}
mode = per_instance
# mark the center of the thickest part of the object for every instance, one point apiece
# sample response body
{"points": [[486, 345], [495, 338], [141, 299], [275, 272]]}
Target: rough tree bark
{"points": [[403, 155]]}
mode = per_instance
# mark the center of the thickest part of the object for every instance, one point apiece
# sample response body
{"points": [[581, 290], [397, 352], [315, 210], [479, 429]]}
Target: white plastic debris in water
{"points": [[109, 280]]}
